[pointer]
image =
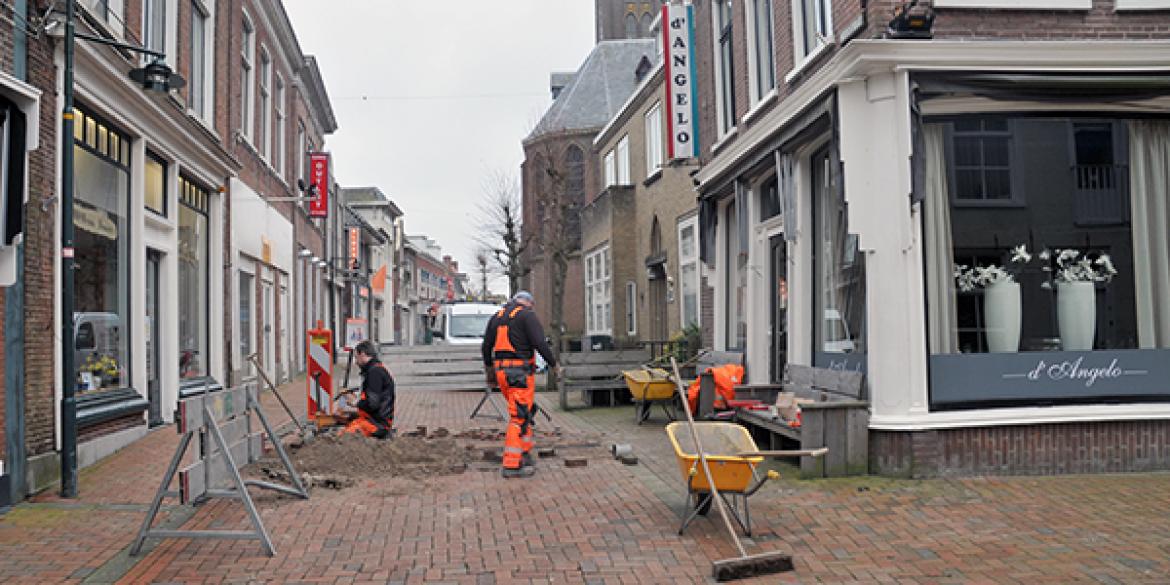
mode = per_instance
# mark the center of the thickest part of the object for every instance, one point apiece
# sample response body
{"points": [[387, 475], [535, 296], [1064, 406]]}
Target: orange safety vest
{"points": [[503, 350]]}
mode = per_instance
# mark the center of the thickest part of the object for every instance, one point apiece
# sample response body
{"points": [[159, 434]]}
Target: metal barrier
{"points": [[223, 423]]}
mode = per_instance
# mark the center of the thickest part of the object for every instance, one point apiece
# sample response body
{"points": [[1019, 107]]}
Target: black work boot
{"points": [[518, 472], [526, 460]]}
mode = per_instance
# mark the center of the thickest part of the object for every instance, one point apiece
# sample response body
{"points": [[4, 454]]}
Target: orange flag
{"points": [[379, 281]]}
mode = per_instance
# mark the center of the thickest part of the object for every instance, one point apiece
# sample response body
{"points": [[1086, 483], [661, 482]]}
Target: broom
{"points": [[744, 565]]}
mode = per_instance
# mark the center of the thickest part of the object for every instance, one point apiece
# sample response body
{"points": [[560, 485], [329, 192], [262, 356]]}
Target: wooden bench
{"points": [[597, 375], [838, 418]]}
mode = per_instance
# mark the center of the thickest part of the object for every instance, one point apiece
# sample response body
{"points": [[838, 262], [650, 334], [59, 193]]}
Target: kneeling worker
{"points": [[375, 408], [510, 343]]}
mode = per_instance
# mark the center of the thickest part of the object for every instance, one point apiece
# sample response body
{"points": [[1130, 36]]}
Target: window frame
{"points": [[724, 48], [279, 124], [265, 104], [623, 160], [685, 259], [1016, 198], [198, 101], [248, 78], [758, 91], [655, 138], [610, 166], [599, 297], [152, 156], [800, 53], [631, 308]]}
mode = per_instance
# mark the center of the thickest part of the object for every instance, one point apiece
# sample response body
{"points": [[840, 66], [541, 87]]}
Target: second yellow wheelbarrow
{"points": [[736, 476], [650, 386]]}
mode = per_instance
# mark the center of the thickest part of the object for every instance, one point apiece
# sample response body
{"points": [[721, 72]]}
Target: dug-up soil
{"points": [[337, 461]]}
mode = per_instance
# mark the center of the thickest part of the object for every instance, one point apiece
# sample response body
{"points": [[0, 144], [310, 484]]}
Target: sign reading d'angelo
{"points": [[682, 113]]}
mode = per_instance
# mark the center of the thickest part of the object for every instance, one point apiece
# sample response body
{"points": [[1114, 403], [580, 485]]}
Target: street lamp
{"points": [[155, 76]]}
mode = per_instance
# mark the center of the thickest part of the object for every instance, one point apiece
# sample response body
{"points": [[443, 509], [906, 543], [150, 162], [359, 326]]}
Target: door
{"points": [[153, 336], [778, 332], [658, 323], [269, 331]]}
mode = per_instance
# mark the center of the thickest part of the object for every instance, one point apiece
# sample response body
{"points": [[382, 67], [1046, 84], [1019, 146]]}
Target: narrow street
{"points": [[603, 523]]}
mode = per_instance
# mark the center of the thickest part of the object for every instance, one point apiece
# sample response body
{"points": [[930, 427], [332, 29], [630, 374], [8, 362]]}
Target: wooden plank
{"points": [[597, 371], [812, 436], [857, 441], [835, 465], [706, 402], [628, 356], [775, 426]]}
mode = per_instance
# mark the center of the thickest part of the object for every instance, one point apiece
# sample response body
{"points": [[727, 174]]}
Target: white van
{"points": [[463, 323]]}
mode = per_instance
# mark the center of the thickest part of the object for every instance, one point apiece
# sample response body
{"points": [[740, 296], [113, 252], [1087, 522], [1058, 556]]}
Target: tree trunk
{"points": [[559, 273]]}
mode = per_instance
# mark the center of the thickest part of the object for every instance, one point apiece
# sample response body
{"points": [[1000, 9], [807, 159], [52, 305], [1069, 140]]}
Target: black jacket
{"points": [[525, 333], [377, 391]]}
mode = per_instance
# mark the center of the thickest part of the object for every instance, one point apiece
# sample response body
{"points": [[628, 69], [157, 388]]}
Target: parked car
{"points": [[463, 323]]}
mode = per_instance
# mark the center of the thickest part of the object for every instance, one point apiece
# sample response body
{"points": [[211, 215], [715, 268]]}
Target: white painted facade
{"points": [[871, 82], [188, 148]]}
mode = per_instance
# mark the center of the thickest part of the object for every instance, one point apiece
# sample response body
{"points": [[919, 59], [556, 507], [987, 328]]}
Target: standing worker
{"points": [[510, 343], [375, 409]]}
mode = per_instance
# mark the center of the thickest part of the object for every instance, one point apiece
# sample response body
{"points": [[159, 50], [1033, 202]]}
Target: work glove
{"points": [[489, 374]]}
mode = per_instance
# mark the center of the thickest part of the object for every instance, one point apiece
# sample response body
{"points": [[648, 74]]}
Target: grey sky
{"points": [[449, 88]]}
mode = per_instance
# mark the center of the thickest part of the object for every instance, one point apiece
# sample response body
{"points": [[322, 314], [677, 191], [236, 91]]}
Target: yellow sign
{"points": [[265, 250]]}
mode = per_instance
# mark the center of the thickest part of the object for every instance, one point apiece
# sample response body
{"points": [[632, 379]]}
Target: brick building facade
{"points": [[158, 180], [845, 144]]}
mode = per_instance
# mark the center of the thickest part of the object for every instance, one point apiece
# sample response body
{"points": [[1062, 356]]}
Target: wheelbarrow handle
{"points": [[818, 452]]}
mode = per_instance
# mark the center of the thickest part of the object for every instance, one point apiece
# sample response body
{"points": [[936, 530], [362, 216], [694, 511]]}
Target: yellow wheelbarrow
{"points": [[650, 386], [735, 475]]}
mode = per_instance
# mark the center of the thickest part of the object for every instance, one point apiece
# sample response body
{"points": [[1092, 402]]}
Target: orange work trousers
{"points": [[365, 425], [518, 385]]}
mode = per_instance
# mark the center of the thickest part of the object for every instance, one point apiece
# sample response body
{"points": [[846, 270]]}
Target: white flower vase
{"points": [[1003, 313], [1076, 314]]}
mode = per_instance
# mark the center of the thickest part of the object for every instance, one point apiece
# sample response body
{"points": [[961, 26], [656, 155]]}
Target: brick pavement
{"points": [[605, 523]]}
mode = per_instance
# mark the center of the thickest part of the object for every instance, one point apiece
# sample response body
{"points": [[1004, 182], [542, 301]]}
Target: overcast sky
{"points": [[432, 96]]}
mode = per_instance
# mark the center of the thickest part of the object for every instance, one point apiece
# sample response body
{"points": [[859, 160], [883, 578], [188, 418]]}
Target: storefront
{"points": [[143, 217], [989, 248]]}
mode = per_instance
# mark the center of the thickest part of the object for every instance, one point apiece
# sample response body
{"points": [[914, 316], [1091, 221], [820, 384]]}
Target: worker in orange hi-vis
{"points": [[510, 343], [374, 416]]}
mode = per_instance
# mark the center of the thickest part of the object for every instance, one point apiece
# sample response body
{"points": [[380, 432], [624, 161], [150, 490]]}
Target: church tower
{"points": [[624, 19]]}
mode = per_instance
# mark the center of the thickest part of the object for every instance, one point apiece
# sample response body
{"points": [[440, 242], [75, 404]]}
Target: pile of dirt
{"points": [[355, 456]]}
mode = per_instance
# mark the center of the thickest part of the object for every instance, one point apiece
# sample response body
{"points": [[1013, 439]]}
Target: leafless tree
{"points": [[557, 173], [501, 235], [483, 265]]}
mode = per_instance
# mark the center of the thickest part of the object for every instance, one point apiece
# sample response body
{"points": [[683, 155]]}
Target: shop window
{"points": [[1041, 292], [194, 270], [102, 254], [839, 268], [155, 190]]}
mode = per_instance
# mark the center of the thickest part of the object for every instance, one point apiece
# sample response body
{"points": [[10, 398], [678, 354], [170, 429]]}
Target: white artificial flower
{"points": [[1045, 254], [1020, 254]]}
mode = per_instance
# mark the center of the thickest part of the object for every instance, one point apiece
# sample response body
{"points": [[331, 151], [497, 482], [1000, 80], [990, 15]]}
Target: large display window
{"points": [[102, 255], [1046, 259], [839, 272], [194, 256]]}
